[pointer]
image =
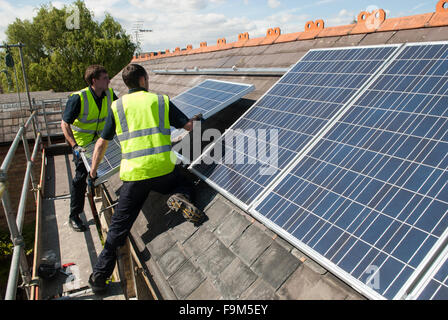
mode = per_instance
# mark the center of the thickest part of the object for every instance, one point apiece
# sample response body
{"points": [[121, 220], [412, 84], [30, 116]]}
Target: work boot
{"points": [[97, 283], [180, 202], [76, 224]]}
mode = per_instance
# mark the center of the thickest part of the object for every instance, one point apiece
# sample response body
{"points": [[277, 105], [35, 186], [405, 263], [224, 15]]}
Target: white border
{"points": [[434, 259]]}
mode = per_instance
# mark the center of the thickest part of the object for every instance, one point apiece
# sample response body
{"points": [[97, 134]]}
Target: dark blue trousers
{"points": [[132, 198], [79, 186]]}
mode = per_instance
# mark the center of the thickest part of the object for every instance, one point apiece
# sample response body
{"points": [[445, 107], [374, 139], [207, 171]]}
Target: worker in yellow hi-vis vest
{"points": [[82, 123], [141, 120]]}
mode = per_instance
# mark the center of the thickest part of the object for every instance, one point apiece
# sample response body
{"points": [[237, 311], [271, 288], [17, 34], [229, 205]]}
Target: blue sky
{"points": [[176, 23]]}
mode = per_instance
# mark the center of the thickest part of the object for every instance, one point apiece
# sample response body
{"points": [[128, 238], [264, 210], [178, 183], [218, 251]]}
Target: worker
{"points": [[142, 123], [82, 122]]}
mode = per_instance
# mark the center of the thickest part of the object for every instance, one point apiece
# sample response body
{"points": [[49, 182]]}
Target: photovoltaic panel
{"points": [[210, 96], [111, 161], [436, 288], [297, 108], [370, 199]]}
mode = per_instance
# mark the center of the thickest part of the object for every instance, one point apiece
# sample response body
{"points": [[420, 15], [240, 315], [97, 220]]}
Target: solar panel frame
{"points": [[246, 206], [225, 103], [429, 285], [356, 284]]}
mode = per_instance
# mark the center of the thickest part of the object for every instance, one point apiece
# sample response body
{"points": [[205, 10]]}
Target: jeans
{"points": [[78, 188], [132, 198]]}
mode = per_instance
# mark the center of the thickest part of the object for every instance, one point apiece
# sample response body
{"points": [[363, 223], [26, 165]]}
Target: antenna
{"points": [[137, 29]]}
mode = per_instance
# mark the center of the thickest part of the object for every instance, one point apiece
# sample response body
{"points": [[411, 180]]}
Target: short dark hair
{"points": [[93, 72], [131, 75]]}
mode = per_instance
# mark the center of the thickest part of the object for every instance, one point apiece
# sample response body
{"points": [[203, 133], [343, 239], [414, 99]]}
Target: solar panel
{"points": [[110, 164], [369, 200], [210, 97], [297, 107]]}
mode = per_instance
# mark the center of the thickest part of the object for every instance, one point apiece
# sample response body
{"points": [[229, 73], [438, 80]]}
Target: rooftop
{"points": [[233, 256]]}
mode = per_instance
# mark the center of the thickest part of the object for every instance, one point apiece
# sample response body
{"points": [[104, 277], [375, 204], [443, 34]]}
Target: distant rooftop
{"points": [[12, 98], [366, 23]]}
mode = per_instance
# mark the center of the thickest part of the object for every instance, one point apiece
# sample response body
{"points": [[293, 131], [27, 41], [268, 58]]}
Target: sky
{"points": [[177, 23]]}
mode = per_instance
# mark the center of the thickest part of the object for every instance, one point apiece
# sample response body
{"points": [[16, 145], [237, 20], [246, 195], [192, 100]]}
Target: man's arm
{"points": [[98, 155], [68, 133], [71, 112]]}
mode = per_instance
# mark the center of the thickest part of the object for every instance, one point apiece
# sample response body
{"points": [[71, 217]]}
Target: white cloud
{"points": [[273, 3], [9, 13], [342, 18]]}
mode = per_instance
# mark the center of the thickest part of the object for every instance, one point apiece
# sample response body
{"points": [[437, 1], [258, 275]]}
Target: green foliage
{"points": [[56, 57], [6, 246]]}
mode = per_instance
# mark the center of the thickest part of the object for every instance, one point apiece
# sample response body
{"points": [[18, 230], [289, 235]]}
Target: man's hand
{"points": [[189, 125], [77, 151], [91, 180], [197, 117]]}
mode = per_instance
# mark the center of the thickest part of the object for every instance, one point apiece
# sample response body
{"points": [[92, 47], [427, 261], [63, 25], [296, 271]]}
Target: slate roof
{"points": [[233, 256]]}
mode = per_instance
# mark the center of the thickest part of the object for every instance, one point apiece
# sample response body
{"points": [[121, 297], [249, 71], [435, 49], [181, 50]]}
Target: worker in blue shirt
{"points": [[82, 123]]}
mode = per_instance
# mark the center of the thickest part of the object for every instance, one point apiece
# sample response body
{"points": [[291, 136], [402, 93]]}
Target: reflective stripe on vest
{"points": [[85, 115], [88, 125], [126, 135], [145, 137]]}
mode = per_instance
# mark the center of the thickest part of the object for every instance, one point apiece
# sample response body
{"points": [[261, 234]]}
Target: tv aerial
{"points": [[138, 31]]}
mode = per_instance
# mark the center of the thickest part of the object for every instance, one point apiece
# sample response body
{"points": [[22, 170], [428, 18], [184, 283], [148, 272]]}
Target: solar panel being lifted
{"points": [[210, 97], [111, 161], [369, 200], [296, 108]]}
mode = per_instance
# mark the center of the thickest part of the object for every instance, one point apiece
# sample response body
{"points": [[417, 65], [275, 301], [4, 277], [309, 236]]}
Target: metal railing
{"points": [[15, 222]]}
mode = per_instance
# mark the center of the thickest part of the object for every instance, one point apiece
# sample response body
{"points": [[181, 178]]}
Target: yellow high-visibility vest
{"points": [[90, 122], [143, 129]]}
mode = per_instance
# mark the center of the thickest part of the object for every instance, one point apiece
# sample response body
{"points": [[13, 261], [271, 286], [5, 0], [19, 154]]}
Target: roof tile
{"points": [[242, 39], [312, 29], [369, 22], [403, 23], [440, 18], [288, 37], [271, 35], [336, 31]]}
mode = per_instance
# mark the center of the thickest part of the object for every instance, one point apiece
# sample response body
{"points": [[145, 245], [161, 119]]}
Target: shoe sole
{"points": [[77, 229], [187, 210], [97, 290]]}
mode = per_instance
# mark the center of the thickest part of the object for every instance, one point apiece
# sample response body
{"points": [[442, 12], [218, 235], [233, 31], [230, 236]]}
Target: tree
{"points": [[56, 56]]}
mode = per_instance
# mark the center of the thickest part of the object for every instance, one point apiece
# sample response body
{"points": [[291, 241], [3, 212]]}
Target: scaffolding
{"points": [[15, 222]]}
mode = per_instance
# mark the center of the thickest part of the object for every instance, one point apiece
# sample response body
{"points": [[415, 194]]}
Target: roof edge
{"points": [[367, 22]]}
